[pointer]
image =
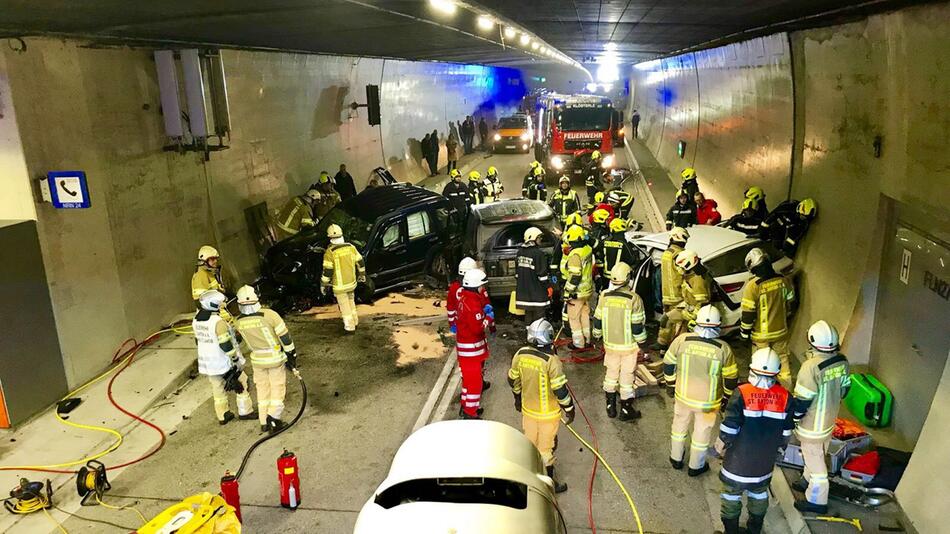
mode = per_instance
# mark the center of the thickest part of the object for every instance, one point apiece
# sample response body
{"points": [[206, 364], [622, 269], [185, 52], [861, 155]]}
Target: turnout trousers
{"points": [[347, 303], [221, 401], [621, 368], [543, 433], [271, 384], [702, 424], [816, 472]]}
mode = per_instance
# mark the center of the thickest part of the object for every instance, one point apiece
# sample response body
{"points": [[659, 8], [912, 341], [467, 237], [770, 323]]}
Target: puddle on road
{"points": [[393, 304], [416, 343]]}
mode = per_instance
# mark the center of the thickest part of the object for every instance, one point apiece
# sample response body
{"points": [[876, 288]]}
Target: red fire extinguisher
{"points": [[230, 492], [289, 477]]}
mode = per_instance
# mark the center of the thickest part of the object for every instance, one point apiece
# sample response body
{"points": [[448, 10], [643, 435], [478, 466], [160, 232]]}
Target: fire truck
{"points": [[570, 128]]}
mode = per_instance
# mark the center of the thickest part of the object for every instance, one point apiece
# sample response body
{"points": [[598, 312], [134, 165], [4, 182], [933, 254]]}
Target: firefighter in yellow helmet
{"points": [[536, 169], [207, 273], [476, 189], [564, 201], [695, 288], [271, 349], [614, 247], [672, 287], [297, 214], [537, 190], [493, 186], [579, 286], [766, 305], [693, 368], [342, 270], [689, 183], [329, 198], [593, 176], [620, 320]]}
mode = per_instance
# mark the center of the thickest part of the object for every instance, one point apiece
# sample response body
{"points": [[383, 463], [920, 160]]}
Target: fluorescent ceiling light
{"points": [[446, 6], [510, 33], [485, 23], [535, 45], [610, 46], [525, 39]]}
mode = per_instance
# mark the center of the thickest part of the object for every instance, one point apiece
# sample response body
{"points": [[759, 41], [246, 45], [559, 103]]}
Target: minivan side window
{"points": [[419, 224], [391, 235]]}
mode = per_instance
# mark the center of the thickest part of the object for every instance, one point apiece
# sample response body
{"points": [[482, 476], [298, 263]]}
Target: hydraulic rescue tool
{"points": [[855, 522]]}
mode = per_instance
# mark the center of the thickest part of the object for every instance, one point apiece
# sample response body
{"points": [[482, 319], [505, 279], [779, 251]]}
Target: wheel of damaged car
{"points": [[437, 269]]}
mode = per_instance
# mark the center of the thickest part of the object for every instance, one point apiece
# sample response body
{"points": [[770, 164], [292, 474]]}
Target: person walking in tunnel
{"points": [[458, 194], [493, 185], [766, 305], [693, 368], [747, 220], [476, 188], [297, 213], [474, 314], [823, 380], [434, 152], [690, 183], [682, 213], [426, 147], [263, 332], [579, 286], [757, 195], [671, 280], [788, 223], [756, 422], [620, 321], [468, 134], [482, 133], [220, 359], [343, 183], [207, 273], [537, 381], [533, 286], [343, 270], [564, 201], [635, 123], [452, 153], [707, 211]]}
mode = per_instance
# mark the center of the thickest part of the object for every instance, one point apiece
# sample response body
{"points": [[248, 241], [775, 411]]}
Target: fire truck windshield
{"points": [[583, 118]]}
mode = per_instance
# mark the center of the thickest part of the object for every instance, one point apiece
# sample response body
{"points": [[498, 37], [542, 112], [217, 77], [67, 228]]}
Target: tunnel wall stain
{"points": [[123, 267]]}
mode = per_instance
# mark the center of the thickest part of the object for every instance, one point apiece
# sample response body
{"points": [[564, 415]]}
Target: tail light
{"points": [[732, 288]]}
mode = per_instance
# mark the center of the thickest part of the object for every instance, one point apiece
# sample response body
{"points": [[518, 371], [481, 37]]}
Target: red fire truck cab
{"points": [[571, 128]]}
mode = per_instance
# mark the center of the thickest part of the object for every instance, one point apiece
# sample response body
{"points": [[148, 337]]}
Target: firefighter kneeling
{"points": [[541, 395], [343, 265]]}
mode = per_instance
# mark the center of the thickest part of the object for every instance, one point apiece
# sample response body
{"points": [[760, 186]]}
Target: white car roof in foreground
{"points": [[704, 240], [466, 449]]}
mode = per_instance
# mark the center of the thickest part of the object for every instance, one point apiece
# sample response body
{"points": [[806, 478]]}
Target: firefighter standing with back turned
{"points": [[533, 289], [342, 270], [474, 314], [693, 368], [271, 348], [672, 282], [765, 308], [619, 320], [823, 380], [541, 395]]}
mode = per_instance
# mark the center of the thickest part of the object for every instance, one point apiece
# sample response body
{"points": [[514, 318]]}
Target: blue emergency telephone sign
{"points": [[68, 189]]}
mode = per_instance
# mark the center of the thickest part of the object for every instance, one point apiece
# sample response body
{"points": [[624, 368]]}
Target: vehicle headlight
{"points": [[557, 162], [525, 136], [497, 137], [608, 161]]}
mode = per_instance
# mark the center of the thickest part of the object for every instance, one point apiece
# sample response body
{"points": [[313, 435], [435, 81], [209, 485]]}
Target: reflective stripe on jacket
{"points": [[765, 307], [580, 272], [697, 366], [823, 381], [672, 278], [536, 375], [216, 345], [620, 317], [266, 337], [290, 218], [755, 424], [695, 294], [205, 279], [342, 265]]}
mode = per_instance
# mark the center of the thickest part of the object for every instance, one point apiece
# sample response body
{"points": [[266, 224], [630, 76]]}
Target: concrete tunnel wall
{"points": [[734, 105], [123, 267]]}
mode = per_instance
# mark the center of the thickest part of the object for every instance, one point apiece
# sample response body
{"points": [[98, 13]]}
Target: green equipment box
{"points": [[869, 400]]}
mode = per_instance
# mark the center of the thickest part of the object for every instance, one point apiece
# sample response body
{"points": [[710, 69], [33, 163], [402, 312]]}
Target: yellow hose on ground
{"points": [[118, 436], [126, 507], [633, 507]]}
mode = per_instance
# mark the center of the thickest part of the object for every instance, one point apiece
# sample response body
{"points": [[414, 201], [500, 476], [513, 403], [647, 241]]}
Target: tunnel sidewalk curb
{"points": [[642, 190]]}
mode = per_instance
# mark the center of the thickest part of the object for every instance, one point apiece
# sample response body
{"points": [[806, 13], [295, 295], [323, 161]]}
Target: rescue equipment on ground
{"points": [[869, 400], [231, 491], [29, 497], [202, 513], [91, 481], [288, 474]]}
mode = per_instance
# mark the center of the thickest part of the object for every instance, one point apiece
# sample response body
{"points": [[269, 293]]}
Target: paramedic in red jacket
{"points": [[455, 289], [706, 210], [474, 314]]}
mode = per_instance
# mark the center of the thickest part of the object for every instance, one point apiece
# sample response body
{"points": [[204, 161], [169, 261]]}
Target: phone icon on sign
{"points": [[62, 185]]}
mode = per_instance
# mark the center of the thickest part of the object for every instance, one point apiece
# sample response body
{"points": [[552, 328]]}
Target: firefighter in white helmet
{"points": [[220, 359], [207, 273], [766, 303], [672, 289], [297, 213], [268, 342], [694, 366], [823, 380], [619, 319], [342, 270]]}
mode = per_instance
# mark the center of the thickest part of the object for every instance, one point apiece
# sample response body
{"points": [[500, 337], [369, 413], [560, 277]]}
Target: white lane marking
{"points": [[436, 392], [451, 392]]}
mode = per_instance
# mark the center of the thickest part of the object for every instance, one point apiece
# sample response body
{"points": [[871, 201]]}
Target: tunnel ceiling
{"points": [[408, 29]]}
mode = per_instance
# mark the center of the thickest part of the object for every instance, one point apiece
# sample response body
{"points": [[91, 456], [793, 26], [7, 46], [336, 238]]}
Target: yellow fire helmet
{"points": [[535, 163], [618, 225], [538, 171], [599, 197], [492, 171], [807, 208], [595, 154], [572, 219], [474, 176], [601, 215], [574, 234], [688, 173], [324, 177], [749, 204], [755, 193]]}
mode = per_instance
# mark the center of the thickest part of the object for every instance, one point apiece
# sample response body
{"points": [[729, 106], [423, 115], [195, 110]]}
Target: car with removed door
{"points": [[495, 483]]}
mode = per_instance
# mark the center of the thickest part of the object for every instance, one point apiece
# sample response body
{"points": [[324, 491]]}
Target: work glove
{"points": [[489, 311], [723, 403], [361, 279], [691, 325], [517, 401], [291, 362], [671, 390], [567, 415], [454, 329]]}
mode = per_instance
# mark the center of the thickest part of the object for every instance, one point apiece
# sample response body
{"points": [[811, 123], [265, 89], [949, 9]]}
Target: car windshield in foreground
{"points": [[583, 118], [461, 490], [355, 229], [733, 261], [512, 123]]}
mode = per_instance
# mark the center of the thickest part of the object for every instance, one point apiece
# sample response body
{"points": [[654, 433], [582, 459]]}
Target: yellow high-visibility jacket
{"points": [[823, 381], [620, 319], [342, 267], [765, 307], [537, 376], [295, 214], [697, 365], [266, 337], [672, 279], [580, 272]]}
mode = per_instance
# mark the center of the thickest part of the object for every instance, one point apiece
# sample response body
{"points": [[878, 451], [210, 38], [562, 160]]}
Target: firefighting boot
{"points": [[627, 411], [228, 417], [677, 464], [696, 472], [486, 385], [559, 487], [754, 525], [248, 417], [730, 526], [274, 425], [805, 506], [611, 403]]}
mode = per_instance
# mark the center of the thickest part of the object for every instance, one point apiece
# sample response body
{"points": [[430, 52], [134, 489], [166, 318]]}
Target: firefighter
{"points": [[600, 203], [615, 248], [766, 303], [620, 320], [756, 423], [672, 288], [598, 233], [271, 349], [342, 270], [533, 289], [493, 186], [689, 183], [593, 176], [537, 190], [329, 198], [695, 288], [452, 297], [541, 395], [682, 213], [296, 214], [457, 193], [474, 315], [220, 360], [693, 368], [747, 220], [536, 169], [564, 201], [476, 189], [757, 196], [579, 286], [786, 226], [823, 380], [207, 273], [621, 202]]}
